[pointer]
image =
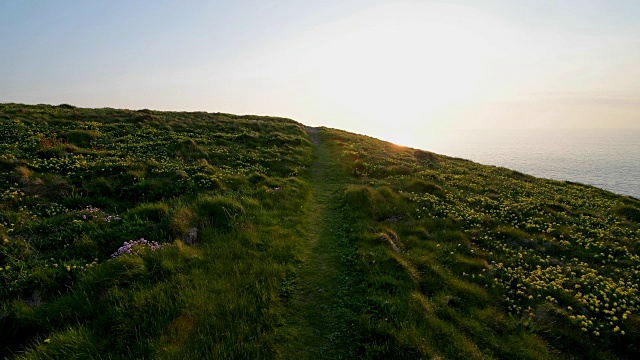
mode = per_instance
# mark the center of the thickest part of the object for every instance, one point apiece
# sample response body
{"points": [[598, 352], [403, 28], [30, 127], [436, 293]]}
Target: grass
{"points": [[317, 318], [281, 241], [476, 272], [211, 187]]}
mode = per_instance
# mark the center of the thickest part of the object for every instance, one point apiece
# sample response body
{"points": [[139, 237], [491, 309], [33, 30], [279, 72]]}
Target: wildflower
{"points": [[135, 246]]}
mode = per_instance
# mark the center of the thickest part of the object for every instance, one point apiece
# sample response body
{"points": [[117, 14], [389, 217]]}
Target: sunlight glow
{"points": [[401, 70], [394, 65]]}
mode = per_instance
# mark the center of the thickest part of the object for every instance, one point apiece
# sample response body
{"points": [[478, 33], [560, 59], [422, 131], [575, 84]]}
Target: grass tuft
{"points": [[155, 212], [220, 212]]}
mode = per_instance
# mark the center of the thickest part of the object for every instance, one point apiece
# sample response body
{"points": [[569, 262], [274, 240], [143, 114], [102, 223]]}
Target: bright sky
{"points": [[391, 69]]}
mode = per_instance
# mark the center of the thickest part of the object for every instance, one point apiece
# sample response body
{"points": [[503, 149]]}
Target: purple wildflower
{"points": [[91, 213], [137, 246]]}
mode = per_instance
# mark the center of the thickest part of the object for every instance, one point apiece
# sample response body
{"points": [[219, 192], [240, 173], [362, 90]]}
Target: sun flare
{"points": [[393, 66]]}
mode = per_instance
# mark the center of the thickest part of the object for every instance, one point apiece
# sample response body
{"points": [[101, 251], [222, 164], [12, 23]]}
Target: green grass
{"points": [[485, 262], [319, 323], [213, 188], [281, 241]]}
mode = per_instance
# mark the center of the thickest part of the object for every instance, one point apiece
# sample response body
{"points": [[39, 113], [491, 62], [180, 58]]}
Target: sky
{"points": [[396, 70]]}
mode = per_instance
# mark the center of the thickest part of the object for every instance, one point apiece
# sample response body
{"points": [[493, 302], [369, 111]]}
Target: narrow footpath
{"points": [[315, 313]]}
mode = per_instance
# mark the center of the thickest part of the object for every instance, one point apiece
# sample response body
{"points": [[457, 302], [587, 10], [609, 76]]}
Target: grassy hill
{"points": [[162, 235]]}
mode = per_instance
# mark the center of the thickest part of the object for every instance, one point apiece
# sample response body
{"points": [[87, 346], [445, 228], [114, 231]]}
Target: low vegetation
{"points": [[459, 260], [148, 234], [129, 234]]}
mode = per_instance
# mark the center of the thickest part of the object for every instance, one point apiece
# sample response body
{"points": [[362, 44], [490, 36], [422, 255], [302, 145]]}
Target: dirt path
{"points": [[315, 313]]}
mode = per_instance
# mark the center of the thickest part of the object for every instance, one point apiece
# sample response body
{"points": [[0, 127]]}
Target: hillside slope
{"points": [[147, 234]]}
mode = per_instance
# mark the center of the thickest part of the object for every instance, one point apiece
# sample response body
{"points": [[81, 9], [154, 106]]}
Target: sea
{"points": [[605, 158]]}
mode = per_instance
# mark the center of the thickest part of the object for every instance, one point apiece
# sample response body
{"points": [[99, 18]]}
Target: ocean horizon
{"points": [[606, 158]]}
